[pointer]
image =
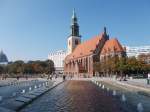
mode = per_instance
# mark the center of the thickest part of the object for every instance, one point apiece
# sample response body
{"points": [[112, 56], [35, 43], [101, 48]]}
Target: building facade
{"points": [[58, 59], [137, 50], [82, 56]]}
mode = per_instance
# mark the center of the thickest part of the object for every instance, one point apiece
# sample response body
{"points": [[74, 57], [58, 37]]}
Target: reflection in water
{"points": [[75, 96]]}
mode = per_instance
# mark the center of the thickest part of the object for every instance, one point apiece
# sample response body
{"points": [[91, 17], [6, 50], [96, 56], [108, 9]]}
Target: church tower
{"points": [[75, 38]]}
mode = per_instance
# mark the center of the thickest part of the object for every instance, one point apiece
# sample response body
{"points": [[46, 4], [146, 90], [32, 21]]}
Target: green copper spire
{"points": [[74, 25]]}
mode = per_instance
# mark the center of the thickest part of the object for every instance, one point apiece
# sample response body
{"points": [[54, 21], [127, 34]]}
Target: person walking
{"points": [[64, 77]]}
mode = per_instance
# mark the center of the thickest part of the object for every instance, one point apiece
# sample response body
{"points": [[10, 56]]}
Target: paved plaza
{"points": [[75, 95]]}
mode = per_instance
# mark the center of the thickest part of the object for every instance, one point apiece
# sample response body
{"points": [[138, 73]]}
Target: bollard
{"points": [[39, 85], [140, 107], [1, 98], [123, 98], [114, 93]]}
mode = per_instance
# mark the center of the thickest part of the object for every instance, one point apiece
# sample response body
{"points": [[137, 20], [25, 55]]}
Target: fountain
{"points": [[35, 87], [123, 98], [1, 98], [140, 107], [30, 88], [23, 91], [103, 87], [114, 93], [99, 84]]}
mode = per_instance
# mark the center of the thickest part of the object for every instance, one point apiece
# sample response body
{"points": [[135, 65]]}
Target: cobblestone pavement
{"points": [[75, 96]]}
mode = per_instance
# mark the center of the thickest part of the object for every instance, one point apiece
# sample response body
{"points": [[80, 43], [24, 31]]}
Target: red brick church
{"points": [[82, 56]]}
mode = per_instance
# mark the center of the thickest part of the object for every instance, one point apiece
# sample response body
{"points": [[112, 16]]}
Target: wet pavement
{"points": [[18, 88], [75, 96], [7, 91]]}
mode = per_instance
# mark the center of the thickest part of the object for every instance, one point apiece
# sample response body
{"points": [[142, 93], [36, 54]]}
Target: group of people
{"points": [[56, 76]]}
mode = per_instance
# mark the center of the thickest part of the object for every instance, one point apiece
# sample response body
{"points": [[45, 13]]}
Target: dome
{"points": [[3, 58]]}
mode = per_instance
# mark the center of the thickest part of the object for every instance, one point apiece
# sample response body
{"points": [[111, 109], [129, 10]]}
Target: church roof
{"points": [[85, 48], [112, 45]]}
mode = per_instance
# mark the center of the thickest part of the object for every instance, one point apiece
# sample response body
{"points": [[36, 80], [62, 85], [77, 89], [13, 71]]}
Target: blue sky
{"points": [[30, 29]]}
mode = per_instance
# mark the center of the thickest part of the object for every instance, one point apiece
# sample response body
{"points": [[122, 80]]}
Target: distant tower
{"points": [[75, 38], [105, 34], [3, 58]]}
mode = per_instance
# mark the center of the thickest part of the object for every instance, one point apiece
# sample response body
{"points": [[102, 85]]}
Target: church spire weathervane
{"points": [[74, 14]]}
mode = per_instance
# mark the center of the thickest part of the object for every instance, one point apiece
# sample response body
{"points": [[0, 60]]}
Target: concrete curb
{"points": [[126, 85], [134, 86], [25, 99]]}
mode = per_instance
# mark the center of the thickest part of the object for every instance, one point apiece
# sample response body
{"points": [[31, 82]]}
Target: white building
{"points": [[137, 50], [58, 58]]}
